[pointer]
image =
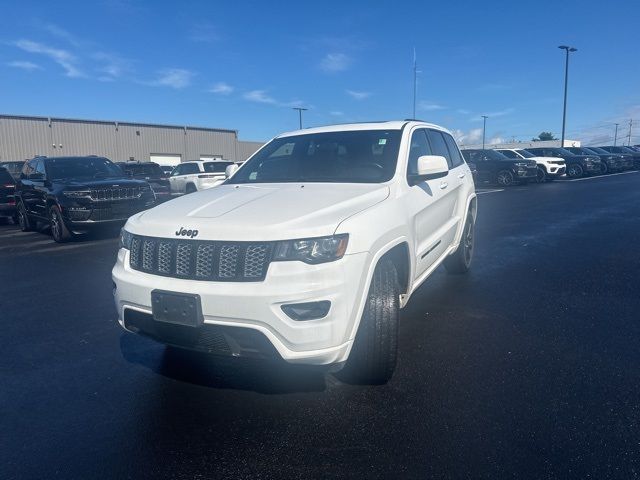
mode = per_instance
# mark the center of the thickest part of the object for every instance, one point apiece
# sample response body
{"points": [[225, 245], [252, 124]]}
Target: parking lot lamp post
{"points": [[300, 110], [568, 50], [484, 128], [615, 136]]}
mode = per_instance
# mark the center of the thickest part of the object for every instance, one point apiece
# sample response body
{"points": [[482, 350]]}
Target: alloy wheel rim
{"points": [[55, 227], [468, 243], [21, 221], [504, 179]]}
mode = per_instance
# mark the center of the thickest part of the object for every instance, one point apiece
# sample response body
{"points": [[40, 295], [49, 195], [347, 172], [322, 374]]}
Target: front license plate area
{"points": [[176, 308]]}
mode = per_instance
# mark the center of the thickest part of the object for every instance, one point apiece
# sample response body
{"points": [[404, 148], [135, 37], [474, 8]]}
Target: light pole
{"points": [[568, 50], [484, 128], [300, 110], [615, 137]]}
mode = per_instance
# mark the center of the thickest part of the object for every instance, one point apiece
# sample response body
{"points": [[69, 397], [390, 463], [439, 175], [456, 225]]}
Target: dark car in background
{"points": [[626, 159], [14, 167], [75, 194], [152, 173], [494, 167], [609, 162], [7, 195], [577, 165], [624, 150]]}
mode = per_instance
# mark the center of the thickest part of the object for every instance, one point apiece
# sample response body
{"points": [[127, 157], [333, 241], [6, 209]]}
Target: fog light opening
{"points": [[307, 311]]}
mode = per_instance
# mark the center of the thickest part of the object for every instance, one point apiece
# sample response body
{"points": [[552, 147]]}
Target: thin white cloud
{"points": [[500, 113], [176, 78], [462, 111], [259, 96], [112, 66], [24, 65], [470, 137], [496, 139], [60, 32], [358, 95], [221, 88], [336, 113], [62, 57], [335, 62], [430, 106]]}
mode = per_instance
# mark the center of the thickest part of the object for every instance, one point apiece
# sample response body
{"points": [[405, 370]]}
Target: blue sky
{"points": [[244, 65]]}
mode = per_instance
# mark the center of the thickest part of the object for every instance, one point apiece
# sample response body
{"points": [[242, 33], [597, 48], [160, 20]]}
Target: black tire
{"points": [[460, 261], [23, 219], [541, 175], [59, 230], [505, 178], [373, 356], [575, 170], [604, 168], [191, 188]]}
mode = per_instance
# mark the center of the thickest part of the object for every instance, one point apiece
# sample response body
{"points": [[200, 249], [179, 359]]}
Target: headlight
{"points": [[312, 250], [125, 239], [76, 193], [521, 164]]}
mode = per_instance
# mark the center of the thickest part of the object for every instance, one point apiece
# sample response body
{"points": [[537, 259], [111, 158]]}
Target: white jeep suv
{"points": [[307, 252], [189, 177], [549, 168]]}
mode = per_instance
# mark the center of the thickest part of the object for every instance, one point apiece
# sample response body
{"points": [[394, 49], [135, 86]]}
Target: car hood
{"points": [[545, 159], [100, 183], [260, 212]]}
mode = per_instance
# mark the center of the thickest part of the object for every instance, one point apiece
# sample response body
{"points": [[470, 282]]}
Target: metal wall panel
{"points": [[25, 137], [246, 149]]}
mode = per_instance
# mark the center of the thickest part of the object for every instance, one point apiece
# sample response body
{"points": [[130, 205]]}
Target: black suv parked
{"points": [[609, 162], [152, 174], [7, 190], [625, 151], [577, 165], [493, 166], [14, 167], [73, 194]]}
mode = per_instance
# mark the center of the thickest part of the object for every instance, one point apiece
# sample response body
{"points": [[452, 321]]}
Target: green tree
{"points": [[544, 136]]}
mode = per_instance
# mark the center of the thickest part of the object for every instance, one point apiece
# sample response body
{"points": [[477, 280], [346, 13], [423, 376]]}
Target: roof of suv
{"points": [[341, 127]]}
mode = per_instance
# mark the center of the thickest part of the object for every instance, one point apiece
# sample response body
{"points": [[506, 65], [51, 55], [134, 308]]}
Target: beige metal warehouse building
{"points": [[23, 137]]}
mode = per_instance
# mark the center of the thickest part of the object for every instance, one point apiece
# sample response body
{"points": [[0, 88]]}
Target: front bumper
{"points": [[257, 306], [593, 168], [526, 173], [80, 215], [556, 169]]}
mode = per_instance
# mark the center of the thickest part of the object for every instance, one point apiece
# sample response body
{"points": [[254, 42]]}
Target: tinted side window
{"points": [[29, 168], [177, 171], [439, 146], [190, 168], [454, 152], [509, 154], [40, 167], [419, 146]]}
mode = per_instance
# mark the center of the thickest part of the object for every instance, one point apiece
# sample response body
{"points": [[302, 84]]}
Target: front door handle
{"points": [[461, 175], [443, 185]]}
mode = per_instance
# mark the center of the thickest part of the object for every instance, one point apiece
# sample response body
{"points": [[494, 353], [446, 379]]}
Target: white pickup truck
{"points": [[307, 252]]}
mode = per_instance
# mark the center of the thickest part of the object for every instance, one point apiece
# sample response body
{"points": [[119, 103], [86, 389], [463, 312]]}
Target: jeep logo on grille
{"points": [[186, 233]]}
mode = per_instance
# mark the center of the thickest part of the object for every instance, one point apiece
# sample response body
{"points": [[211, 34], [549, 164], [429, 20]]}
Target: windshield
{"points": [[216, 167], [563, 151], [13, 167], [525, 154], [58, 168], [599, 151], [495, 155], [362, 156], [146, 170], [589, 151]]}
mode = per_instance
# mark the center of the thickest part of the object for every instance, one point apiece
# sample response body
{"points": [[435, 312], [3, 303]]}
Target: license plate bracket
{"points": [[177, 308]]}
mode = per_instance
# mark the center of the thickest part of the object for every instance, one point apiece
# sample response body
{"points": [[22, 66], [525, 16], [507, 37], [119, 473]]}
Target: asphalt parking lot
{"points": [[526, 368]]}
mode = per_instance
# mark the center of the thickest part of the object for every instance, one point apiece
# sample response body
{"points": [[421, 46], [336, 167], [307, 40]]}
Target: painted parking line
{"points": [[495, 190], [601, 176]]}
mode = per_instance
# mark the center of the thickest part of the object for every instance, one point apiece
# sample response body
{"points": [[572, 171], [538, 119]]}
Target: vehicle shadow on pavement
{"points": [[269, 377]]}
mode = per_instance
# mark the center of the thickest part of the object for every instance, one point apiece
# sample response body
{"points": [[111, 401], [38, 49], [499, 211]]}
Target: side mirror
{"points": [[430, 167], [230, 170]]}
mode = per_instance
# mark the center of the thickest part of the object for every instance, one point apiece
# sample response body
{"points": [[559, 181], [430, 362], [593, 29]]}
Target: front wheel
{"points": [[59, 230], [460, 261], [23, 218], [575, 171], [373, 356], [505, 178], [604, 168], [541, 175], [191, 188]]}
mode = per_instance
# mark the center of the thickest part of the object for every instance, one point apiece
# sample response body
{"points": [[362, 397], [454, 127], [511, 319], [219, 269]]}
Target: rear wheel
{"points": [[373, 356], [575, 170], [460, 261], [23, 218], [505, 178], [59, 230], [541, 175]]}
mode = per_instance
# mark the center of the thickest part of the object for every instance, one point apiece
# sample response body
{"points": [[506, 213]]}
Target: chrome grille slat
{"points": [[201, 260], [122, 193]]}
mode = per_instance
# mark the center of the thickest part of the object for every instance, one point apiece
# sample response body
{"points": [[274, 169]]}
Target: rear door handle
{"points": [[443, 185]]}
